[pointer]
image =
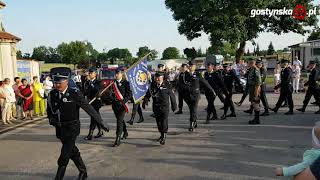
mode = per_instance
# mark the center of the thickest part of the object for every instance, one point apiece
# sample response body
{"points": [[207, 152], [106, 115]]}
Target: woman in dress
{"points": [[25, 92]]}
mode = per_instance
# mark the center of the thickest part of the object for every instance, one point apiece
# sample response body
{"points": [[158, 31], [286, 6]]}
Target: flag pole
{"points": [[105, 89]]}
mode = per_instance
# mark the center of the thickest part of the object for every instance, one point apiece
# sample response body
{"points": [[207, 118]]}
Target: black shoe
{"points": [[289, 113], [99, 135], [191, 127], [130, 122], [238, 103], [153, 115], [249, 111], [214, 117], [256, 119], [141, 120], [274, 110], [301, 109], [163, 140], [89, 137], [195, 124], [265, 113], [60, 173], [117, 142], [223, 117], [232, 115], [105, 128], [179, 112], [125, 135], [81, 167], [318, 112], [159, 139]]}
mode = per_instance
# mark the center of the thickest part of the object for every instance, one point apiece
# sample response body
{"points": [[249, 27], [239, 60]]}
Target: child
{"points": [[309, 156]]}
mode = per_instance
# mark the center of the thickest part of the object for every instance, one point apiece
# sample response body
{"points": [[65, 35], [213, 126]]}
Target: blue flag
{"points": [[138, 77]]}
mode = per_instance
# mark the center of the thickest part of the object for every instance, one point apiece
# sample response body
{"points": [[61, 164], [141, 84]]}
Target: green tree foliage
{"points": [[225, 49], [230, 21], [73, 52], [257, 52], [143, 51], [171, 53], [118, 54], [315, 34], [191, 53], [19, 54], [40, 53], [270, 50]]}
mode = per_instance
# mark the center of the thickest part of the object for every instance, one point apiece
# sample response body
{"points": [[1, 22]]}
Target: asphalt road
{"points": [[228, 149]]}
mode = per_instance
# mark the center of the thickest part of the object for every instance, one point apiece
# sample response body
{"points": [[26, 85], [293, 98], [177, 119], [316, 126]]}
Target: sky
{"points": [[108, 24]]}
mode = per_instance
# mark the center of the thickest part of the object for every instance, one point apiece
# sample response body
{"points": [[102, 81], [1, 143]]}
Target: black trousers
{"points": [[121, 125], [285, 94], [93, 123], [264, 99], [69, 151], [193, 106], [312, 91], [211, 109], [136, 108], [245, 93], [162, 119], [180, 99], [228, 103]]}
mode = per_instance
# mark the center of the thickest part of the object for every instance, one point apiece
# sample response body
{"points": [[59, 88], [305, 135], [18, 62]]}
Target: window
{"points": [[316, 52]]}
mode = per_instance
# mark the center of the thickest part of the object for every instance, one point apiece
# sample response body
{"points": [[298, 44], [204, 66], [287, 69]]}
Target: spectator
{"points": [[2, 99], [10, 99], [309, 157], [17, 111], [277, 71], [296, 69], [38, 97], [47, 86], [25, 92]]}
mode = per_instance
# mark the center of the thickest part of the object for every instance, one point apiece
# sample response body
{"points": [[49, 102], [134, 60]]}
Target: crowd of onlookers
{"points": [[24, 99]]}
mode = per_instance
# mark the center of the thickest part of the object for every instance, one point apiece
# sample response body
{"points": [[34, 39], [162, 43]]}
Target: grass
{"points": [[47, 66]]}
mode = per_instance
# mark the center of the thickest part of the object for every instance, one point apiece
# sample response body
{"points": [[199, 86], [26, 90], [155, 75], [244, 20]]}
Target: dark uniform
{"points": [[246, 91], [92, 89], [119, 106], [286, 89], [229, 77], [136, 108], [192, 97], [182, 89], [313, 88], [254, 86], [63, 113], [160, 95]]}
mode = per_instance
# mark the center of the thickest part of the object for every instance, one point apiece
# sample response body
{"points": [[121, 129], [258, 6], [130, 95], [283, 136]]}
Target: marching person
{"points": [[192, 97], [136, 108], [313, 89], [161, 91], [229, 77], [286, 88], [181, 86], [254, 86], [63, 113], [120, 94], [92, 89]]}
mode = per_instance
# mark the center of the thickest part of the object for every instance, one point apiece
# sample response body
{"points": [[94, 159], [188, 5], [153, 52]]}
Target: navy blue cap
{"points": [[225, 65], [158, 74], [119, 70], [210, 64], [58, 78], [91, 70]]}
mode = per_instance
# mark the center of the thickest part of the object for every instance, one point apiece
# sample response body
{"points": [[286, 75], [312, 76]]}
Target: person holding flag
{"points": [[120, 94], [160, 91]]}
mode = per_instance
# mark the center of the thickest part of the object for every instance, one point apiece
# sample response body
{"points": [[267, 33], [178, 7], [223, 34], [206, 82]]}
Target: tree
{"points": [[53, 56], [199, 53], [19, 54], [257, 50], [145, 50], [315, 34], [248, 52], [191, 53], [73, 52], [270, 50], [26, 56], [40, 53], [118, 54], [225, 49], [102, 57], [171, 53], [231, 21]]}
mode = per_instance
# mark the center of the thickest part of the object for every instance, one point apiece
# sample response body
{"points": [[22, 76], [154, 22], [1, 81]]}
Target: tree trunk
{"points": [[240, 51]]}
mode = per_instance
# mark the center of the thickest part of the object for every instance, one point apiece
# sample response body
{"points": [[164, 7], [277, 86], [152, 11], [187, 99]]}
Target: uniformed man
{"points": [[92, 88], [286, 87], [161, 91], [245, 92], [214, 78], [254, 87], [313, 87], [182, 86], [192, 97], [120, 94], [63, 113], [229, 76]]}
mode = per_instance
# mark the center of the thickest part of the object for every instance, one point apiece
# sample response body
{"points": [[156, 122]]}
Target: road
{"points": [[227, 150]]}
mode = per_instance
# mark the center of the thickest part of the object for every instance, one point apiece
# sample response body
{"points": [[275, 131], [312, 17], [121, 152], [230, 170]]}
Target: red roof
{"points": [[8, 36]]}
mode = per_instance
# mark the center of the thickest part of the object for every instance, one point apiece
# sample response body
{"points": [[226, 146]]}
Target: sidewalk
{"points": [[19, 123]]}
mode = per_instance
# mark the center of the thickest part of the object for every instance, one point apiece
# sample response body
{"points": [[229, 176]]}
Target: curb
{"points": [[2, 131]]}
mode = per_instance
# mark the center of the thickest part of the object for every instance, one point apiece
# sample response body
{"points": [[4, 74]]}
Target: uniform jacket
{"points": [[124, 88], [91, 90], [286, 79]]}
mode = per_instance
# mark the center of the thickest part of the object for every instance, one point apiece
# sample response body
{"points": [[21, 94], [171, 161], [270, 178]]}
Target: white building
{"points": [[8, 58], [306, 51]]}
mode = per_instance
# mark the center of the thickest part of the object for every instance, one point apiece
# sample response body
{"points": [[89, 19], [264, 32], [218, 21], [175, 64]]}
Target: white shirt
{"points": [[10, 95], [297, 62], [47, 85]]}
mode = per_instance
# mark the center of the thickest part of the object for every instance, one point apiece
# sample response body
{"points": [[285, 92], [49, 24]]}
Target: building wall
{"points": [[28, 68], [8, 60]]}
